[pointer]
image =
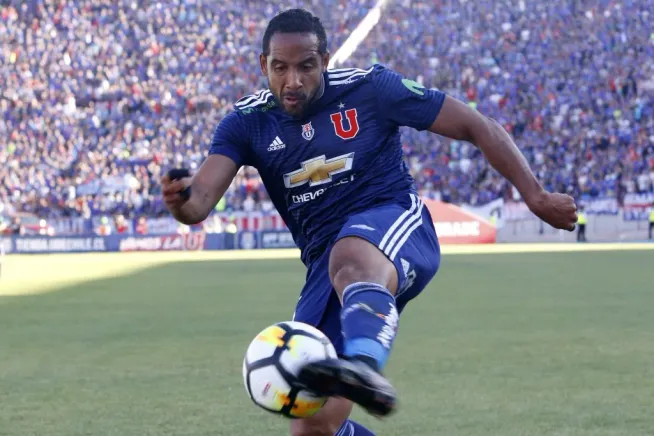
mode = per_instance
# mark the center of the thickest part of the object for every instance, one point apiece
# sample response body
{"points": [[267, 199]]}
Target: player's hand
{"points": [[174, 189], [557, 210]]}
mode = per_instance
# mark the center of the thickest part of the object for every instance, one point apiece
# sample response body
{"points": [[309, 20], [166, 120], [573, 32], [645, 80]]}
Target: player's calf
{"points": [[366, 282]]}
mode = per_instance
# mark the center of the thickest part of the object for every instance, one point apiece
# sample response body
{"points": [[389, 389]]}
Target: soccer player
{"points": [[327, 146]]}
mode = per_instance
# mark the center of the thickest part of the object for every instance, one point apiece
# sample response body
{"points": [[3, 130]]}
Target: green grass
{"points": [[513, 344]]}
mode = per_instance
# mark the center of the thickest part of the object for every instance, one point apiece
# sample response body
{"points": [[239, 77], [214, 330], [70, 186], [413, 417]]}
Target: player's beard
{"points": [[299, 108], [303, 100], [296, 110]]}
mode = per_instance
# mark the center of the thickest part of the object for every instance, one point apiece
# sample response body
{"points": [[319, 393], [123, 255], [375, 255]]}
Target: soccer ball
{"points": [[272, 362]]}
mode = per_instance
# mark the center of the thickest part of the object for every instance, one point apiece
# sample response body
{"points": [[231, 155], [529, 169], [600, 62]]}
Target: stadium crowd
{"points": [[99, 97]]}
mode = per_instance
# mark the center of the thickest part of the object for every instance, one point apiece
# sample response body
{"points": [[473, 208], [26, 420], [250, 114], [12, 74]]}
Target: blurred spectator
{"points": [[121, 225], [104, 228], [142, 226]]}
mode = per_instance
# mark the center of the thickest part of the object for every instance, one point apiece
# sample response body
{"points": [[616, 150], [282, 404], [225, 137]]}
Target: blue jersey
{"points": [[342, 158]]}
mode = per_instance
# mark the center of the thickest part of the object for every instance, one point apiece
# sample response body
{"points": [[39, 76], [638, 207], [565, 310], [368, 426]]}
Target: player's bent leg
{"points": [[327, 422], [366, 282]]}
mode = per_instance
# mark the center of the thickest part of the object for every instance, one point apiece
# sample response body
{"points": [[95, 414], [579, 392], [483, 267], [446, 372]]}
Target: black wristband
{"points": [[180, 173]]}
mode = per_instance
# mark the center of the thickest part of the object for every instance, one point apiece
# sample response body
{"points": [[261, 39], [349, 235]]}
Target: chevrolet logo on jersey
{"points": [[318, 171]]}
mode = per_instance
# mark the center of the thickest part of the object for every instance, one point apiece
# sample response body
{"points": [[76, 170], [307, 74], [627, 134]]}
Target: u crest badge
{"points": [[339, 127], [307, 131]]}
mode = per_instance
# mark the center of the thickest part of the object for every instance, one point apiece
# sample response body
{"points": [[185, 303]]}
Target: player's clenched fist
{"points": [[175, 188], [557, 210]]}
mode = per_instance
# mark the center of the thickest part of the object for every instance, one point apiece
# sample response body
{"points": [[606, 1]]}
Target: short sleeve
{"points": [[403, 102], [231, 139]]}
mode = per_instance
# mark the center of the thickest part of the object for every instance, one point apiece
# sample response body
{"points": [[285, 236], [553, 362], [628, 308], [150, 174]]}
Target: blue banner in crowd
{"points": [[600, 206], [247, 240], [634, 214], [276, 240], [47, 244], [71, 226], [194, 241], [163, 225], [637, 207]]}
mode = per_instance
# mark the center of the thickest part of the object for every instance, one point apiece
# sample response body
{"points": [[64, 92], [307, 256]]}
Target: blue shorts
{"points": [[406, 237]]}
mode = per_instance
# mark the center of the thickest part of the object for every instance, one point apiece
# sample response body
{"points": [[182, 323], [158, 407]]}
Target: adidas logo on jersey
{"points": [[277, 144]]}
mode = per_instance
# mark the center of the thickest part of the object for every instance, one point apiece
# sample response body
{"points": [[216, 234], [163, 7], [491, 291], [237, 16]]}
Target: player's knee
{"points": [[355, 260], [314, 427], [350, 273]]}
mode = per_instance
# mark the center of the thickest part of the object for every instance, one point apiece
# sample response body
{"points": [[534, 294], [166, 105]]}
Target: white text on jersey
{"points": [[277, 144], [309, 196]]}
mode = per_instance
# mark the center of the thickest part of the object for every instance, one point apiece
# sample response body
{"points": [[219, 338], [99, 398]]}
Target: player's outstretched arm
{"points": [[456, 120], [208, 186]]}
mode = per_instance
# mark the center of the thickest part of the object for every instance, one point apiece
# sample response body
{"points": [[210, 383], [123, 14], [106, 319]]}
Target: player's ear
{"points": [[264, 64]]}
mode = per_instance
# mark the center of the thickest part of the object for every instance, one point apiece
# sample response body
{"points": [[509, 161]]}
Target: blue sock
{"points": [[351, 428], [369, 320]]}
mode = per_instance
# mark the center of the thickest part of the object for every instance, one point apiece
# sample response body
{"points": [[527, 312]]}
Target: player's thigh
{"points": [[405, 238], [354, 259], [326, 422]]}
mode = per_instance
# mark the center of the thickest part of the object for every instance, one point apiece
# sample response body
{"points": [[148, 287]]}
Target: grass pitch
{"points": [[499, 344]]}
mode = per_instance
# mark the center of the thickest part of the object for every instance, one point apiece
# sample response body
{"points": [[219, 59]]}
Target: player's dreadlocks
{"points": [[295, 21]]}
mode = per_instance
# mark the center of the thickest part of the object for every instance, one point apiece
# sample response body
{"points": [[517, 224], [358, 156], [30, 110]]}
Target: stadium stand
{"points": [[99, 97]]}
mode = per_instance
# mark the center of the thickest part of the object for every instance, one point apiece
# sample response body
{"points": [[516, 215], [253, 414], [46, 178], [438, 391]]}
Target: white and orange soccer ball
{"points": [[272, 362]]}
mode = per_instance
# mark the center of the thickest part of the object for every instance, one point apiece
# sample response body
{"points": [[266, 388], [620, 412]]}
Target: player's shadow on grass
{"points": [[226, 295], [154, 351]]}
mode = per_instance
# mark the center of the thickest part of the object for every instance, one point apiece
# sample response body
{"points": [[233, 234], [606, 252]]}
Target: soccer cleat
{"points": [[350, 379]]}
